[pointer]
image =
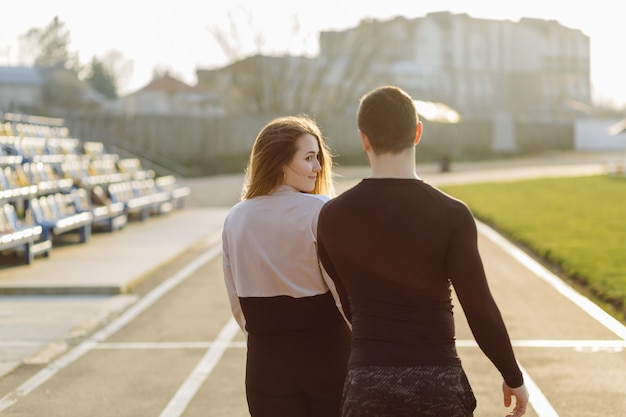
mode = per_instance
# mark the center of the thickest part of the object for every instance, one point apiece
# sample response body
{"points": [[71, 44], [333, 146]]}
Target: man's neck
{"points": [[401, 165]]}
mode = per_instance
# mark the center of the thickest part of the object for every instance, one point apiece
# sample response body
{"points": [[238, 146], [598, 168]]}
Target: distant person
{"points": [[394, 246], [298, 340]]}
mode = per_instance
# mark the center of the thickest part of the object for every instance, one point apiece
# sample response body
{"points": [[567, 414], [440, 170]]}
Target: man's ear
{"points": [[418, 132], [365, 142]]}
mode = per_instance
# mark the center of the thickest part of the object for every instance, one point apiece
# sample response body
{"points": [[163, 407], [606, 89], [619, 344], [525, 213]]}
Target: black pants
{"points": [[298, 375]]}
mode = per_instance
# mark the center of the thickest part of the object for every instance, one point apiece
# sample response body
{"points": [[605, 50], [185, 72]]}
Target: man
{"points": [[394, 246]]}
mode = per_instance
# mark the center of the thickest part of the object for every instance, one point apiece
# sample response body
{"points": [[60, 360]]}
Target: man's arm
{"points": [[467, 275], [328, 270]]}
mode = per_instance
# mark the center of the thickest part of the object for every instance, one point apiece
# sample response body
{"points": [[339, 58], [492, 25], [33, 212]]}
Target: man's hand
{"points": [[521, 399]]}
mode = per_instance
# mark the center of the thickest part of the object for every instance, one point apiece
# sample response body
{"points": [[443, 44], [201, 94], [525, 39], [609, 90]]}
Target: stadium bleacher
{"points": [[52, 184]]}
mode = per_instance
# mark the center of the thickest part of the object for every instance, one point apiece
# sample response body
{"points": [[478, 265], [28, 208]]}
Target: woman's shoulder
{"points": [[290, 192], [280, 199], [321, 197]]}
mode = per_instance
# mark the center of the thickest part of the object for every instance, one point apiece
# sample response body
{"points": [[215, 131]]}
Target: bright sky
{"points": [[176, 35]]}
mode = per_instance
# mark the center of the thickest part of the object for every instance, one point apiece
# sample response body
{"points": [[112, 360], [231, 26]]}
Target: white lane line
{"points": [[49, 371], [21, 343], [177, 405], [170, 345], [574, 296], [537, 400], [612, 345], [591, 345]]}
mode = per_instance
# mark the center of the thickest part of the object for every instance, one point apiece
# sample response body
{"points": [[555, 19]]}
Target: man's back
{"points": [[393, 247], [388, 240]]}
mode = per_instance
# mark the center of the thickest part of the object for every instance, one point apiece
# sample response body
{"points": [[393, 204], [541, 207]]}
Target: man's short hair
{"points": [[388, 117]]}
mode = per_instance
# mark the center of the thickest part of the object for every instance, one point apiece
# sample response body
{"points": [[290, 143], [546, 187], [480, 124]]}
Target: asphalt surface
{"points": [[46, 305]]}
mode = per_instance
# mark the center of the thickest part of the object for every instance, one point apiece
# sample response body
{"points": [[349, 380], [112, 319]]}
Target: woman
{"points": [[298, 342]]}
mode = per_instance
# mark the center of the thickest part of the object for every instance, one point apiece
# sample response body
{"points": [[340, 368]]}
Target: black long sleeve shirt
{"points": [[394, 248]]}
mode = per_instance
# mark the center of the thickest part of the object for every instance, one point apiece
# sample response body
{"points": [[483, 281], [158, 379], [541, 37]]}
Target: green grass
{"points": [[577, 226]]}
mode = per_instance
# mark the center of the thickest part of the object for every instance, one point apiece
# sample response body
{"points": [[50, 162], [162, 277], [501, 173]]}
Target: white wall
{"points": [[592, 135]]}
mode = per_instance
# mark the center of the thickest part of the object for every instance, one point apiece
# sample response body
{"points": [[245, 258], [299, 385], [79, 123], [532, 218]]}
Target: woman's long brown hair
{"points": [[274, 147]]}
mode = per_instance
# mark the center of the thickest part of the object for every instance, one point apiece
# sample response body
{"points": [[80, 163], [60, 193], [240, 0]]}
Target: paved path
{"points": [[80, 287]]}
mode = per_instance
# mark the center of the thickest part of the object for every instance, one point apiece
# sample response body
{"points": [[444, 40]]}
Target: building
{"points": [[21, 89], [481, 67], [33, 90], [166, 95], [261, 84]]}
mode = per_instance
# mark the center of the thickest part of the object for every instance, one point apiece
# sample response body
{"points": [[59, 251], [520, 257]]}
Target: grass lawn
{"points": [[576, 225]]}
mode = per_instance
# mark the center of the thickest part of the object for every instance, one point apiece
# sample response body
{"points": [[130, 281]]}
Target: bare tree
{"points": [[279, 82], [229, 38], [119, 66], [351, 64]]}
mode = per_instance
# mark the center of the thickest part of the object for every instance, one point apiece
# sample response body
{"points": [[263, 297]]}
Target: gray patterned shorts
{"points": [[413, 391]]}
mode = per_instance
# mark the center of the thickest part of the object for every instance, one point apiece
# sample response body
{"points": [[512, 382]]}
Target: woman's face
{"points": [[301, 171]]}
